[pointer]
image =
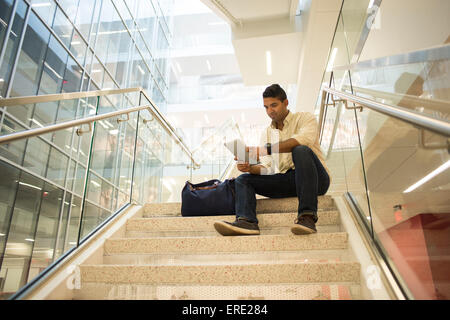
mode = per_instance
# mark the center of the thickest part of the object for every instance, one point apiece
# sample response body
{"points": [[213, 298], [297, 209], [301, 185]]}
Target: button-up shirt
{"points": [[301, 126]]}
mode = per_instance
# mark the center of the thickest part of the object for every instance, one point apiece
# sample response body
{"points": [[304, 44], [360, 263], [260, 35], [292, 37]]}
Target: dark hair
{"points": [[275, 91]]}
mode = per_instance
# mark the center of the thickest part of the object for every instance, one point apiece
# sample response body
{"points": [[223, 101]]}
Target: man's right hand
{"points": [[243, 167]]}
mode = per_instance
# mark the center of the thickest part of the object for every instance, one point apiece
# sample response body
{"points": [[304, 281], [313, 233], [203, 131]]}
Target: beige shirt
{"points": [[303, 127]]}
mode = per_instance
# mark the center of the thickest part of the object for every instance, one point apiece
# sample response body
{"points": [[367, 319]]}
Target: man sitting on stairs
{"points": [[292, 165]]}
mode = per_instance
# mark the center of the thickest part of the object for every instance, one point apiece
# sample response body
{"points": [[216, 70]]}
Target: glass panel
{"points": [[92, 217], [63, 28], [57, 167], [85, 14], [409, 191], [79, 179], [63, 227], [47, 229], [36, 156], [13, 41], [127, 155], [30, 64], [8, 188], [74, 223], [45, 9], [5, 14], [105, 149], [13, 151], [22, 233]]}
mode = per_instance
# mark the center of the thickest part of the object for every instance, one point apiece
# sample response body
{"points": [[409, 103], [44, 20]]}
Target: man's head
{"points": [[275, 102]]}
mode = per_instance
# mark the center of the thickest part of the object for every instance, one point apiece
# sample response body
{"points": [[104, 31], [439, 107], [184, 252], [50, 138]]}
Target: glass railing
{"points": [[212, 154], [393, 170], [61, 183]]}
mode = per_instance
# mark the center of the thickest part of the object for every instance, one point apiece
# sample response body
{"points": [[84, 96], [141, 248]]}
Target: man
{"points": [[290, 164]]}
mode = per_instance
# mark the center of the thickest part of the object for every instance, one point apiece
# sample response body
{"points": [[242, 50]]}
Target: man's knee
{"points": [[300, 151], [243, 178]]}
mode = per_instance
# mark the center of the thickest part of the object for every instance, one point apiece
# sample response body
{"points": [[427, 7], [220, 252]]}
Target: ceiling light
{"points": [[95, 183], [28, 239], [206, 118], [44, 4], [53, 70], [29, 185], [141, 70], [269, 62], [208, 64], [428, 177]]}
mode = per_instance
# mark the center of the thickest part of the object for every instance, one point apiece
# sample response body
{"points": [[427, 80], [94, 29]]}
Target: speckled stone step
{"points": [[109, 291], [317, 241], [206, 224], [285, 230], [270, 273], [262, 206], [229, 258]]}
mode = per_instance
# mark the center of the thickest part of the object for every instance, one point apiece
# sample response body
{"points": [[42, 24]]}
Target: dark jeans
{"points": [[307, 181]]}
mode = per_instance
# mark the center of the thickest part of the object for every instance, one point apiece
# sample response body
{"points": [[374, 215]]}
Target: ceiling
{"points": [[281, 41]]}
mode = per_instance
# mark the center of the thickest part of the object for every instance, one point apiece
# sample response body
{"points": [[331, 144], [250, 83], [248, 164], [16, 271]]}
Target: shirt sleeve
{"points": [[306, 133]]}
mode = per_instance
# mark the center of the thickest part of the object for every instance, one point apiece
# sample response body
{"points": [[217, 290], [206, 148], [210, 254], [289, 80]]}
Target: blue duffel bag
{"points": [[209, 198]]}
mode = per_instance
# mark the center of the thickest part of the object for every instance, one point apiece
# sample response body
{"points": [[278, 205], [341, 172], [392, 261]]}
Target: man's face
{"points": [[275, 109]]}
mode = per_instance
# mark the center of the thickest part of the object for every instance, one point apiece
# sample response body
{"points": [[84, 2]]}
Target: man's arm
{"points": [[285, 146]]}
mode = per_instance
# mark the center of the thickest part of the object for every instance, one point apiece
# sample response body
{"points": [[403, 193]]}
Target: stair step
{"points": [[101, 291], [229, 258], [223, 274], [337, 240], [214, 233], [262, 206], [266, 221]]}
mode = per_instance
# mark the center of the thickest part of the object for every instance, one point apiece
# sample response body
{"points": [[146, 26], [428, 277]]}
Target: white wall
{"points": [[408, 25]]}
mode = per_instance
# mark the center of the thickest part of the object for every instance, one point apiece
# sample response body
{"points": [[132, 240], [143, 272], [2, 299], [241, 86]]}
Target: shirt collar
{"points": [[286, 120]]}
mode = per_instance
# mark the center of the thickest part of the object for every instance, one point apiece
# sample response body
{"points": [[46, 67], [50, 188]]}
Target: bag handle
{"points": [[203, 188]]}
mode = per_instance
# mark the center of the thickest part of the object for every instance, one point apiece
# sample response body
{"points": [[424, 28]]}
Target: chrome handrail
{"points": [[432, 124], [64, 125], [435, 104], [20, 101], [11, 102]]}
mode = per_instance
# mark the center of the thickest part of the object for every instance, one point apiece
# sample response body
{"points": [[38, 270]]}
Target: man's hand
{"points": [[253, 169], [243, 167]]}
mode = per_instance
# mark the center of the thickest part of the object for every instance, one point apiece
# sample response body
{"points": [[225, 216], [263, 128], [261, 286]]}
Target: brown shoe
{"points": [[240, 227], [304, 225]]}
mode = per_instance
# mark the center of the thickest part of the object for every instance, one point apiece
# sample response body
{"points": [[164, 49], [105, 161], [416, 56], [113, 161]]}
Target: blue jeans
{"points": [[307, 181]]}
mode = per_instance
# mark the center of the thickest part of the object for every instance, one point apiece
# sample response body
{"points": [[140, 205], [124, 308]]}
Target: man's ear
{"points": [[286, 102]]}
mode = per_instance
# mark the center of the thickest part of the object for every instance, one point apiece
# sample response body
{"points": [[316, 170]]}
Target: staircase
{"points": [[166, 256]]}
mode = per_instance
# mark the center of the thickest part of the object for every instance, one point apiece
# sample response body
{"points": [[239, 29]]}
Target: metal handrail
{"points": [[435, 104], [20, 101], [432, 124]]}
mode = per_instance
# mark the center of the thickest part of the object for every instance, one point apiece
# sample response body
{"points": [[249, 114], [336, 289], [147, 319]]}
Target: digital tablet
{"points": [[237, 147]]}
